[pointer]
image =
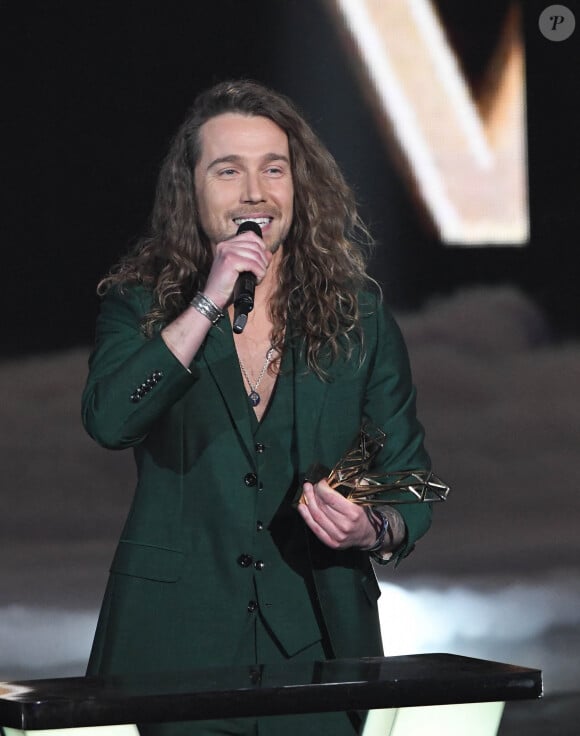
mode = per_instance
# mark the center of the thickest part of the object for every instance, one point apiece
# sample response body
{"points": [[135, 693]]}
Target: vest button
{"points": [[259, 526], [252, 606], [259, 564], [260, 447], [250, 479], [245, 560]]}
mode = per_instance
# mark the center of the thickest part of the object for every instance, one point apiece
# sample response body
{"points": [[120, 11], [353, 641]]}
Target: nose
{"points": [[253, 189]]}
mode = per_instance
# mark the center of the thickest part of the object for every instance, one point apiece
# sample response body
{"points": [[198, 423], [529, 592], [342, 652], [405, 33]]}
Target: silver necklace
{"points": [[254, 396]]}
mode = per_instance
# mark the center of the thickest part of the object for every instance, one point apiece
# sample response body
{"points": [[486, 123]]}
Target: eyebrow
{"points": [[233, 158]]}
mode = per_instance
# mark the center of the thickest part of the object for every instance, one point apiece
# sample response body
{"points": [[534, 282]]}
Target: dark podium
{"points": [[424, 694]]}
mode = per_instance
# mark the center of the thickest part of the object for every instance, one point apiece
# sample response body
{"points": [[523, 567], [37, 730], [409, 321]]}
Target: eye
{"points": [[227, 173], [274, 171]]}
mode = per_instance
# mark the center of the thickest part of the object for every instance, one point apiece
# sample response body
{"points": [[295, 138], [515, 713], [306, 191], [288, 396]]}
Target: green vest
{"points": [[282, 577]]}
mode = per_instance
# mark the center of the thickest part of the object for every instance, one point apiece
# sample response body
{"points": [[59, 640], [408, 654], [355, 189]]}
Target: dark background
{"points": [[93, 92]]}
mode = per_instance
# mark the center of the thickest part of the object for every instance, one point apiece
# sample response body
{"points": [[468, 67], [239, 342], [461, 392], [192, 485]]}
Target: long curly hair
{"points": [[323, 265]]}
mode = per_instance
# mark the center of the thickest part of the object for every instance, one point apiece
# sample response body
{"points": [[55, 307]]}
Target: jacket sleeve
{"points": [[390, 403], [132, 379]]}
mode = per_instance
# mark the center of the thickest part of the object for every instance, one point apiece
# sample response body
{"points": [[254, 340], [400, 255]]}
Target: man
{"points": [[216, 564]]}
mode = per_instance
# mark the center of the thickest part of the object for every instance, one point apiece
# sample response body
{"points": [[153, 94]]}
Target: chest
{"points": [[259, 371], [258, 363]]}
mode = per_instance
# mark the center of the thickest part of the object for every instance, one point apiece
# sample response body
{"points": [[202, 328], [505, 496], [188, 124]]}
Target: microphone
{"points": [[245, 285]]}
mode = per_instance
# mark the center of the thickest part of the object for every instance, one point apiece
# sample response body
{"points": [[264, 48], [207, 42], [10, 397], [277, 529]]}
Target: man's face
{"points": [[244, 173]]}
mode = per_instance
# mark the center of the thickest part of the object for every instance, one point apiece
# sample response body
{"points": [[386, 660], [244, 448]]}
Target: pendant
{"points": [[254, 397]]}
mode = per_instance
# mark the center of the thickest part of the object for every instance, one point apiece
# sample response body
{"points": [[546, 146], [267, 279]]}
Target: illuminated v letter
{"points": [[467, 158]]}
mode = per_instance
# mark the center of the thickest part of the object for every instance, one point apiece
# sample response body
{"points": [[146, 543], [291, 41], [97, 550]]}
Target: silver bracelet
{"points": [[205, 306], [381, 531]]}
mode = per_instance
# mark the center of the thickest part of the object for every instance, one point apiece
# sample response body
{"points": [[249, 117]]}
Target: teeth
{"points": [[258, 220]]}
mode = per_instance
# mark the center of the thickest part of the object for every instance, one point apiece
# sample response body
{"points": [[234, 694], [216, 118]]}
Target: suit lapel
{"points": [[221, 359], [309, 397], [309, 394]]}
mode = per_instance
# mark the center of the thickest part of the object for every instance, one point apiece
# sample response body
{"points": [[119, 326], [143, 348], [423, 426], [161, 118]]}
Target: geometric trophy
{"points": [[352, 476]]}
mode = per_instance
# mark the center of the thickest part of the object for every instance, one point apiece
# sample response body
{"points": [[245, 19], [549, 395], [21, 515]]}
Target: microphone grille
{"points": [[250, 225]]}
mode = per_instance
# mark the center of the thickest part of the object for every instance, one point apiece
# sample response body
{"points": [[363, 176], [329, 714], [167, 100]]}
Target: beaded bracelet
{"points": [[205, 306], [381, 533]]}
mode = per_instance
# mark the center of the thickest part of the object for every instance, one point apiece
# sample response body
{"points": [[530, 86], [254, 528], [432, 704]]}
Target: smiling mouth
{"points": [[261, 221]]}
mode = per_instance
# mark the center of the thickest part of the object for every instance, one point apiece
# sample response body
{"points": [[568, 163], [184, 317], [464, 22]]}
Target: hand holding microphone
{"points": [[240, 261], [224, 282], [245, 285]]}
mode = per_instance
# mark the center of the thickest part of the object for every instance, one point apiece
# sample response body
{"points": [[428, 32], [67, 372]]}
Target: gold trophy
{"points": [[353, 478]]}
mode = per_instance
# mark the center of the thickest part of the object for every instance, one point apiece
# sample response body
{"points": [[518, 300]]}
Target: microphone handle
{"points": [[243, 300], [245, 286]]}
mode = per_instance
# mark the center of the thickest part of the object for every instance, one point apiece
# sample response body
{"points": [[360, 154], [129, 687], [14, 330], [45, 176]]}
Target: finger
{"points": [[249, 240], [336, 504], [248, 236], [319, 531], [244, 248], [228, 263], [244, 259], [323, 516]]}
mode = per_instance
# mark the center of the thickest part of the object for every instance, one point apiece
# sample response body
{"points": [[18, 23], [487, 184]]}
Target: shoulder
{"points": [[129, 297], [374, 313], [382, 333], [124, 307], [131, 292]]}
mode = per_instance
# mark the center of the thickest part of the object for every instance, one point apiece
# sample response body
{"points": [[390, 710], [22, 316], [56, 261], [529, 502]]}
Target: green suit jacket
{"points": [[175, 597]]}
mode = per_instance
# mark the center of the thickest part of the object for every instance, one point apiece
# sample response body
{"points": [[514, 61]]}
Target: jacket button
{"points": [[255, 675], [260, 447], [259, 526], [252, 606], [259, 564], [250, 479], [245, 560]]}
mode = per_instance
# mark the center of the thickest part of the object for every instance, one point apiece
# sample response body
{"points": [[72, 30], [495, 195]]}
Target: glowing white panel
{"points": [[469, 168]]}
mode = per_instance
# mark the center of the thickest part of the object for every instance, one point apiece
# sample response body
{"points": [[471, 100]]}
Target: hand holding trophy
{"points": [[353, 478]]}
